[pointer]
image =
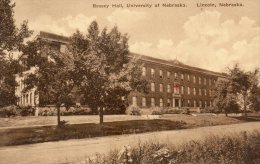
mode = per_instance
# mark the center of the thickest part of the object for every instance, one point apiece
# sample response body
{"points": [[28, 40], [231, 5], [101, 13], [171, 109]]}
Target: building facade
{"points": [[171, 83]]}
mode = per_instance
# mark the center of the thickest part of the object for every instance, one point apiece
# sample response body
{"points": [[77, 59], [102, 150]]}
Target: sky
{"points": [[213, 38]]}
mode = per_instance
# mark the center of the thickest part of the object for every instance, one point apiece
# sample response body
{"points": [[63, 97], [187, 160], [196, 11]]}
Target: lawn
{"points": [[87, 126]]}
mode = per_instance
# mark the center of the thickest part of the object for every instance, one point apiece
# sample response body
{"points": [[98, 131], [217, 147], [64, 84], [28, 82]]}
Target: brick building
{"points": [[172, 83]]}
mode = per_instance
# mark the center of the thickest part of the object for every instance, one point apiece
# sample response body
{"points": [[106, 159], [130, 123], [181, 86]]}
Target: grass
{"points": [[76, 131], [114, 125], [241, 148]]}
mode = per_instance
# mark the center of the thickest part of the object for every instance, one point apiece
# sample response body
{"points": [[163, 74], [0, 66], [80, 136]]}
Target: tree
{"points": [[224, 98], [11, 39], [244, 83], [104, 72], [53, 77]]}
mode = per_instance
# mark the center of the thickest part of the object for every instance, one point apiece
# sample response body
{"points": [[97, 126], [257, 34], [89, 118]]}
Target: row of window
{"points": [[188, 103], [177, 89], [168, 74]]}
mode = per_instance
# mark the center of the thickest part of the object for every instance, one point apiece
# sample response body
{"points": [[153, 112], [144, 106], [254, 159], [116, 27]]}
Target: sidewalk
{"points": [[77, 150]]}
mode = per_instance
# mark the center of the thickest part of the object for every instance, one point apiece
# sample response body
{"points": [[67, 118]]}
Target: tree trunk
{"points": [[101, 116], [226, 114], [58, 116], [245, 114]]}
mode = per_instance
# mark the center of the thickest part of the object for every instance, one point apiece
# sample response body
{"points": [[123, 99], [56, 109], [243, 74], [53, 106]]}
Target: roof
{"points": [[174, 63]]}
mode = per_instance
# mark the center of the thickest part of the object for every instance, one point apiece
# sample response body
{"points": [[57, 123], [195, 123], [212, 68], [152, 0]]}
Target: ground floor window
{"points": [[152, 102], [161, 102], [143, 101], [134, 101]]}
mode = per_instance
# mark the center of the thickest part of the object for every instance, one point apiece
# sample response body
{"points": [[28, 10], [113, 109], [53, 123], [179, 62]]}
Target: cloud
{"points": [[212, 43], [65, 26], [126, 19]]}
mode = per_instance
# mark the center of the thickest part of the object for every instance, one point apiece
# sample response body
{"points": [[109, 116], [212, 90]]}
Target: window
{"points": [[161, 73], [168, 102], [182, 76], [161, 102], [209, 81], [199, 80], [194, 91], [152, 102], [144, 71], [188, 103], [176, 89], [63, 48], [152, 72], [168, 74], [152, 87], [205, 81], [161, 87], [134, 101], [175, 75], [188, 90], [182, 89], [168, 88], [205, 92], [199, 91], [206, 104], [194, 103], [143, 101], [188, 78], [194, 79], [200, 104]]}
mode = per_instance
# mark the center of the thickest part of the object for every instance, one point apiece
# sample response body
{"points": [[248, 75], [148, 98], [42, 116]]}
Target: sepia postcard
{"points": [[129, 81]]}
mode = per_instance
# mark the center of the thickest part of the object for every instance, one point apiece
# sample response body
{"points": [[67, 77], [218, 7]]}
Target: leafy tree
{"points": [[104, 72], [244, 83], [53, 77], [11, 39], [224, 98]]}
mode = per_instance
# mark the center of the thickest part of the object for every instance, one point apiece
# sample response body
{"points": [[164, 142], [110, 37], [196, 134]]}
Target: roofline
{"points": [[65, 40]]}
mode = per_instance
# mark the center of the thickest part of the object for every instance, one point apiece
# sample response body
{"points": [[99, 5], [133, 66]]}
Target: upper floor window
{"points": [[63, 48], [161, 73], [205, 81], [152, 72], [161, 87], [144, 71], [188, 77], [199, 80], [168, 102], [182, 89], [205, 92], [176, 89], [199, 91], [152, 87], [168, 74], [194, 79], [209, 81], [168, 88], [182, 76], [175, 75], [194, 91], [188, 89]]}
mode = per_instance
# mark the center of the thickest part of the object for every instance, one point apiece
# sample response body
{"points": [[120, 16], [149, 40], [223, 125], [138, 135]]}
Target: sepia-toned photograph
{"points": [[129, 82]]}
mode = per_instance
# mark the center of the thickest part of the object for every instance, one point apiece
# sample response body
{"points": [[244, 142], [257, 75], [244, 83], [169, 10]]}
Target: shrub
{"points": [[52, 111], [8, 111], [157, 111], [133, 110], [172, 111], [16, 111]]}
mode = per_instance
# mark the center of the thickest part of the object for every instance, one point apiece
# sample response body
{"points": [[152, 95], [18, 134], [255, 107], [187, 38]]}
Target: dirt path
{"points": [[77, 150]]}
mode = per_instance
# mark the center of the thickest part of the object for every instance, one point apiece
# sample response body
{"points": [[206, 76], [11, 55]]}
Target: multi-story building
{"points": [[172, 83]]}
